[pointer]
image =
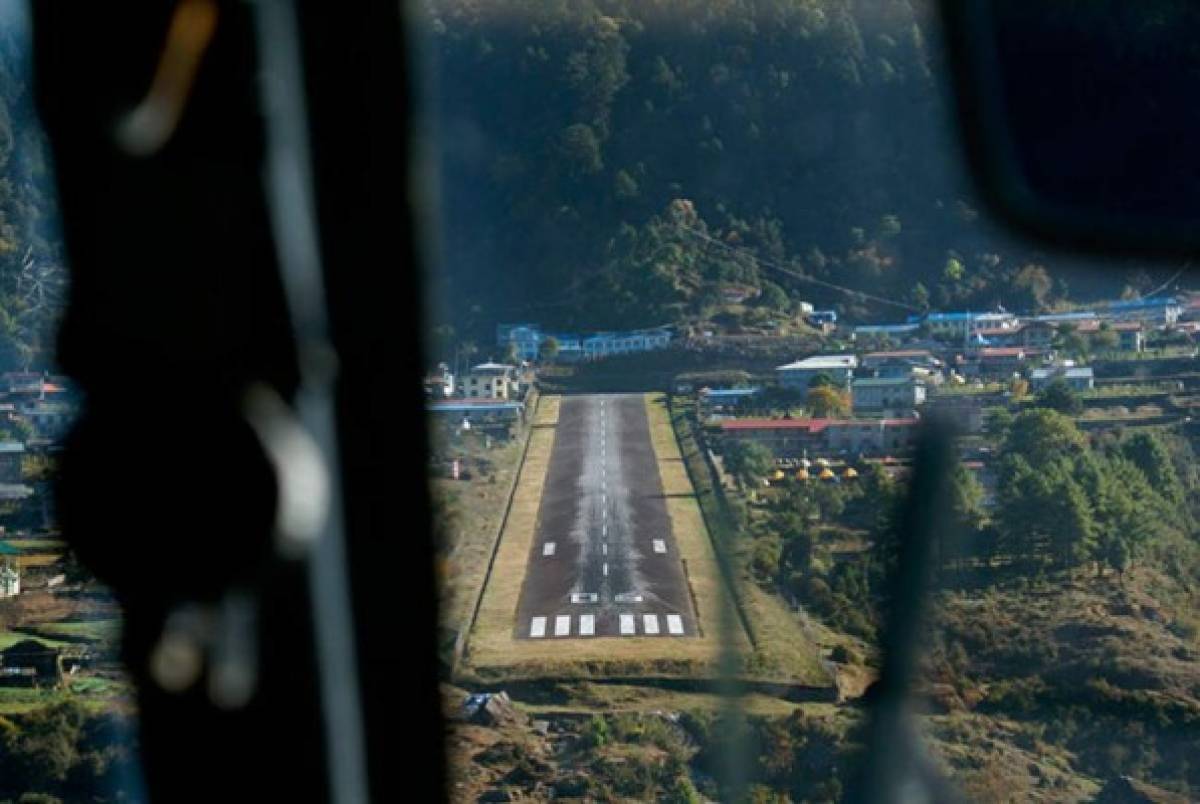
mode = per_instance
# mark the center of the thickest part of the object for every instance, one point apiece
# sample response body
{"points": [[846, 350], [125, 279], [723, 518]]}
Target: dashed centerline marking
{"points": [[606, 568], [537, 627]]}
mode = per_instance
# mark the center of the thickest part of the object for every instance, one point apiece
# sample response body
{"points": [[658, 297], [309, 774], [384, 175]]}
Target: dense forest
{"points": [[616, 163], [32, 276]]}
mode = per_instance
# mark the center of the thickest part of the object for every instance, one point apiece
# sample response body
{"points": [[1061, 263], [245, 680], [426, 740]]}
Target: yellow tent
{"points": [[777, 474], [850, 472], [802, 474], [827, 474]]}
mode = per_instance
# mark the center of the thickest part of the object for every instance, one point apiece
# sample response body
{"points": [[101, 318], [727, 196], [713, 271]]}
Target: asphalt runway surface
{"points": [[604, 560]]}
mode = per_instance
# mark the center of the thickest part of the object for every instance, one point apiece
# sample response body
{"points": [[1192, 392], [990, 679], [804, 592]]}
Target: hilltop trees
{"points": [[1064, 503]]}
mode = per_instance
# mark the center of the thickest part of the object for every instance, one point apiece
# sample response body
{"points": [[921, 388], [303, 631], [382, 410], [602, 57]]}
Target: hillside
{"points": [[616, 163]]}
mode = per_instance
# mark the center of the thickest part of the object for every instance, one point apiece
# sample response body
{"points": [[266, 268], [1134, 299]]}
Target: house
{"points": [[899, 363], [797, 376], [996, 361], [490, 381], [30, 663], [821, 318], [606, 344], [887, 393], [1078, 378], [798, 438], [439, 384], [725, 400]]}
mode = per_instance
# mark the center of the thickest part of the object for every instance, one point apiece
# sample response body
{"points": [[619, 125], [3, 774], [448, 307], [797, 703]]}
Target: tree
{"points": [[511, 355], [773, 297], [548, 349], [827, 402], [954, 270], [1042, 435], [748, 462], [920, 297], [1060, 397], [1019, 388], [1105, 339], [1149, 454]]}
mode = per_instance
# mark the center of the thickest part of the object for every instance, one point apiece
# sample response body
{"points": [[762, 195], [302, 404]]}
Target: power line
{"points": [[797, 275]]}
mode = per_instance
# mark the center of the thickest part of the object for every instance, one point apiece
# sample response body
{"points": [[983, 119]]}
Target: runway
{"points": [[604, 561]]}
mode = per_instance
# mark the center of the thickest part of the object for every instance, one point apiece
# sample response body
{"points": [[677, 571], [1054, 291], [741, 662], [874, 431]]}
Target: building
{"points": [[797, 376], [10, 582], [1131, 335], [963, 412], [30, 663], [490, 381], [1078, 378], [439, 384], [899, 363], [715, 401], [887, 393], [997, 362], [497, 417], [1156, 311], [528, 339], [798, 438], [894, 331], [12, 456], [961, 325]]}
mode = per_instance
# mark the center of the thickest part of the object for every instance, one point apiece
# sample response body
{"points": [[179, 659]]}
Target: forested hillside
{"points": [[612, 162], [32, 278]]}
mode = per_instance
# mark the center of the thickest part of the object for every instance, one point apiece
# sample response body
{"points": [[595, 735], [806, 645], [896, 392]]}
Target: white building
{"points": [[1077, 378], [798, 375], [887, 393], [10, 582], [490, 381]]}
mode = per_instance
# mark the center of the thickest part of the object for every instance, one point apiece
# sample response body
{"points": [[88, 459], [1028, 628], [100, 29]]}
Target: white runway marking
{"points": [[627, 625], [650, 624], [605, 513], [548, 549], [584, 597], [604, 548], [604, 531], [606, 568], [562, 625], [587, 624], [537, 627], [660, 546], [675, 624]]}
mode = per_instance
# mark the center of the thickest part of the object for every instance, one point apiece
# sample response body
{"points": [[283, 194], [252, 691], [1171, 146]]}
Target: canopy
{"points": [[777, 474], [827, 474], [802, 474], [850, 472]]}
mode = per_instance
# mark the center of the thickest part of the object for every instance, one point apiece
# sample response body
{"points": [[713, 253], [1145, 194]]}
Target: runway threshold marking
{"points": [[562, 625], [627, 625], [548, 549], [537, 627], [587, 624], [650, 624], [675, 624], [660, 546]]}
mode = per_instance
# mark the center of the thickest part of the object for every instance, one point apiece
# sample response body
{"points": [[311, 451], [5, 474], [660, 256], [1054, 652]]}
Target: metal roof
{"points": [[818, 362]]}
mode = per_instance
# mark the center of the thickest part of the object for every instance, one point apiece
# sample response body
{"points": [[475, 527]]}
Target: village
{"points": [[1129, 363], [59, 628]]}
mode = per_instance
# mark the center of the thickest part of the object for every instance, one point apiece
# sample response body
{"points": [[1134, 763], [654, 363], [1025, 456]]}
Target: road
{"points": [[604, 560]]}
